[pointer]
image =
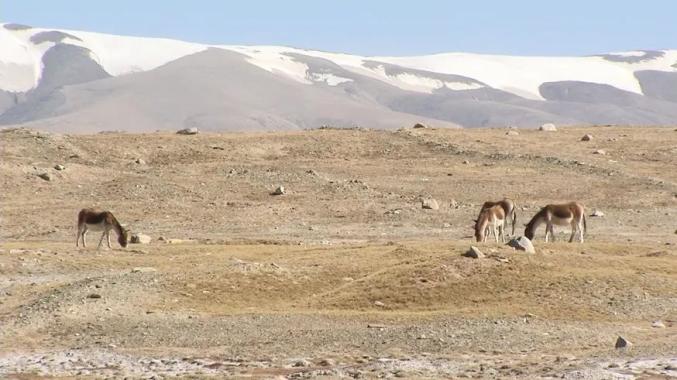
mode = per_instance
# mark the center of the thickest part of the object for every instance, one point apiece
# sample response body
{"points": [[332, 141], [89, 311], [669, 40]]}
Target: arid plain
{"points": [[345, 275]]}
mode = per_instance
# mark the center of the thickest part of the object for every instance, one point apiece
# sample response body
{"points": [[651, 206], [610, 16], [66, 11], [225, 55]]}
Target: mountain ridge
{"points": [[60, 79]]}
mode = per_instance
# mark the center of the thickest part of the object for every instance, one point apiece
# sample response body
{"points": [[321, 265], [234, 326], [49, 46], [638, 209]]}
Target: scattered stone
{"points": [[600, 151], [375, 326], [188, 131], [548, 127], [140, 239], [512, 133], [419, 126], [658, 324], [179, 241], [586, 137], [143, 270], [466, 162], [59, 167], [622, 342], [379, 304], [302, 363], [522, 243], [94, 296], [597, 213], [430, 204], [474, 253], [45, 176], [279, 191], [140, 161]]}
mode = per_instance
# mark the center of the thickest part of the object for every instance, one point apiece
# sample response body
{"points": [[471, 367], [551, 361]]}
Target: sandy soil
{"points": [[346, 275]]}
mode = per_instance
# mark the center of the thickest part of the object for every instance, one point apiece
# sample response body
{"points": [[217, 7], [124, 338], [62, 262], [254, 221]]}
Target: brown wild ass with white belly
{"points": [[568, 214], [490, 218], [508, 207], [96, 220]]}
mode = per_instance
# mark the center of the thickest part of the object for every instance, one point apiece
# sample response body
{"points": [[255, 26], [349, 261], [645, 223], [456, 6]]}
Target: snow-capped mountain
{"points": [[81, 81]]}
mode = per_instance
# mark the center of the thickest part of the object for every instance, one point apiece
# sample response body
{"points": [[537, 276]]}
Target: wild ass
{"points": [[568, 214], [508, 207], [96, 220], [494, 218]]}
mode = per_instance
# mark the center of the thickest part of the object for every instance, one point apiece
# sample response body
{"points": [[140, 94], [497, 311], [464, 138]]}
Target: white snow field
{"points": [[21, 64]]}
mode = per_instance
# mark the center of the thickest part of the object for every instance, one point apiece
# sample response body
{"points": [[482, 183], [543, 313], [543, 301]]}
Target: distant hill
{"points": [[72, 81]]}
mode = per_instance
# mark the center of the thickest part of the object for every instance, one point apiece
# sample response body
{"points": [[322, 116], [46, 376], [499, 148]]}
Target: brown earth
{"points": [[345, 275]]}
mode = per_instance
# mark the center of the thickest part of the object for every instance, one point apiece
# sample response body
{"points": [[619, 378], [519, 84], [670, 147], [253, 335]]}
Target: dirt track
{"points": [[346, 274]]}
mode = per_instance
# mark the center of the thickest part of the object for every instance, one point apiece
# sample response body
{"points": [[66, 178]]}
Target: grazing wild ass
{"points": [[96, 220], [508, 207], [568, 214], [494, 218]]}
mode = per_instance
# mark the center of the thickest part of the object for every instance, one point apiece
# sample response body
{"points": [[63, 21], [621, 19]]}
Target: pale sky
{"points": [[377, 27]]}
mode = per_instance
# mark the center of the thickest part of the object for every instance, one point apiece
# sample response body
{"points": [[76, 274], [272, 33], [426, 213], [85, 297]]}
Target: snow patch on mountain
{"points": [[21, 58], [328, 78]]}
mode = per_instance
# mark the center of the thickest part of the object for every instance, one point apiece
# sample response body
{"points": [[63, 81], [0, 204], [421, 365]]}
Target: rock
{"points": [[512, 133], [466, 162], [586, 137], [430, 204], [59, 167], [474, 252], [188, 131], [302, 363], [140, 239], [622, 342], [45, 176], [522, 243], [419, 126], [94, 296], [453, 204], [548, 127], [658, 324], [279, 191], [597, 213], [143, 270], [379, 304], [600, 151], [327, 362], [140, 161]]}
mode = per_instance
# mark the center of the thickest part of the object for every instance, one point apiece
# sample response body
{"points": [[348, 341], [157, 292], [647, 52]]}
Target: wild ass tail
{"points": [[514, 219]]}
